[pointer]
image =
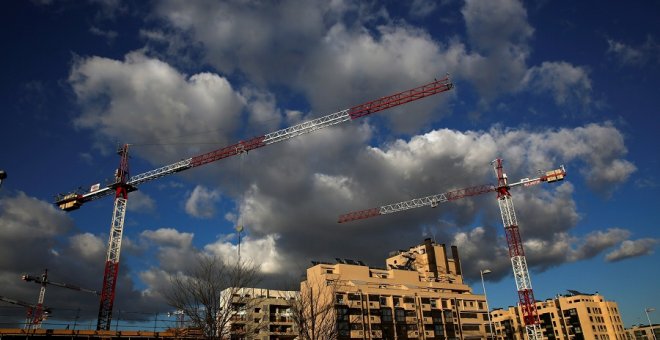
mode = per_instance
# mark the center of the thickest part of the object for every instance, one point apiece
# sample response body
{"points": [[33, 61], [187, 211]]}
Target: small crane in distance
{"points": [[38, 311], [30, 321]]}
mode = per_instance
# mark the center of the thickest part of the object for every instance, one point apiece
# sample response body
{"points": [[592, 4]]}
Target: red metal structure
{"points": [[33, 320], [514, 242], [37, 313], [124, 184]]}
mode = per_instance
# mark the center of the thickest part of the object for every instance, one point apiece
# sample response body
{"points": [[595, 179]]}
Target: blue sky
{"points": [[538, 83]]}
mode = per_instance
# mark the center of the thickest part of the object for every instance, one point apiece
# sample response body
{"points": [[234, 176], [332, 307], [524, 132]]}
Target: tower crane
{"points": [[32, 320], [38, 310], [516, 251], [123, 183]]}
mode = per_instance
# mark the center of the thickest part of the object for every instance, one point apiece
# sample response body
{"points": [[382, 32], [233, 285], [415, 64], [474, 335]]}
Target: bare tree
{"points": [[212, 297], [313, 311]]}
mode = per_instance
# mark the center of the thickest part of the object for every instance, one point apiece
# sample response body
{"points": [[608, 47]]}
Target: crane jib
{"points": [[400, 98], [228, 151]]}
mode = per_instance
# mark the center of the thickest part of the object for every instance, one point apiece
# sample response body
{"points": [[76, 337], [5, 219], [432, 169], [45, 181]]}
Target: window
{"points": [[400, 315], [342, 314], [353, 297], [386, 314], [342, 328]]}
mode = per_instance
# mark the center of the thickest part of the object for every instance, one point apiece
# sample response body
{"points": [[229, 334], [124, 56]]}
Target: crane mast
{"points": [[514, 241], [517, 256], [124, 184]]}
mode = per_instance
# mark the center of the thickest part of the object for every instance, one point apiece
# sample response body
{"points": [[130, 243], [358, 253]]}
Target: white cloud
{"points": [[566, 82], [632, 248], [144, 100], [169, 237], [262, 251], [89, 247], [201, 202], [141, 202]]}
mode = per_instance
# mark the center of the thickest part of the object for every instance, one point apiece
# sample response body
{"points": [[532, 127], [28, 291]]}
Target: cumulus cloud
{"points": [[141, 202], [567, 83], [144, 100], [201, 202], [263, 251], [169, 236], [632, 248], [431, 163]]}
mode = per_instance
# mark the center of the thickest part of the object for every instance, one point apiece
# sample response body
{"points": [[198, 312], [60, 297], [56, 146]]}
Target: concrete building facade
{"points": [[263, 314], [576, 316], [643, 332], [420, 294]]}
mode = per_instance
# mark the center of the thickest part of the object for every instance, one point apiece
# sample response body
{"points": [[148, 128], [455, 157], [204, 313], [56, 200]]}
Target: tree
{"points": [[211, 295], [313, 311]]}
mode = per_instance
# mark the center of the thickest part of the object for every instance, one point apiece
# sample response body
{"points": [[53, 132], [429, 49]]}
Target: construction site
{"points": [[419, 294], [329, 170]]}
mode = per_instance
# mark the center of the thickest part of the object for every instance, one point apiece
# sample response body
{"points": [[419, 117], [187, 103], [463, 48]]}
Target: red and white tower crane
{"points": [[516, 252], [30, 321], [36, 314], [123, 184]]}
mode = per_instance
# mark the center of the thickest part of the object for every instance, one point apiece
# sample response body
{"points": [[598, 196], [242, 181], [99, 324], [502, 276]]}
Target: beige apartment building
{"points": [[263, 314], [576, 316], [643, 332], [420, 294]]}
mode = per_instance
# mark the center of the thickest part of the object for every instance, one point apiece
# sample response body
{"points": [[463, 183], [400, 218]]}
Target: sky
{"points": [[538, 84]]}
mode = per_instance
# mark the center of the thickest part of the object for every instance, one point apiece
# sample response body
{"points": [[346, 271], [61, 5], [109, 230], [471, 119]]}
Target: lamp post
{"points": [[647, 310], [483, 285]]}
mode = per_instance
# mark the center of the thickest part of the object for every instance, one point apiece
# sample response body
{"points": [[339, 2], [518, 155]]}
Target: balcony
{"points": [[238, 318], [355, 318], [357, 333], [427, 320], [411, 320], [376, 334], [409, 306], [279, 318], [374, 304], [354, 304], [374, 318], [413, 334], [426, 307]]}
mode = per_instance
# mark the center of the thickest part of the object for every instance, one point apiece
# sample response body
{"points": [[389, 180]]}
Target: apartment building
{"points": [[643, 332], [420, 294], [576, 316], [263, 314]]}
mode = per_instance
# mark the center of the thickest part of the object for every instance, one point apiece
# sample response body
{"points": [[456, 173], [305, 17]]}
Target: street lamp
{"points": [[647, 310], [490, 323]]}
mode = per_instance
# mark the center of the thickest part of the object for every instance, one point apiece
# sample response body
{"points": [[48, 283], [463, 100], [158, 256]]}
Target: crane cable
{"points": [[240, 199]]}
